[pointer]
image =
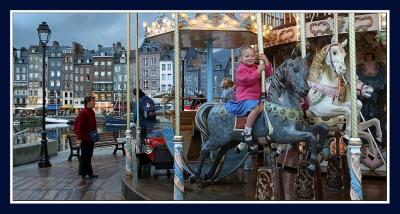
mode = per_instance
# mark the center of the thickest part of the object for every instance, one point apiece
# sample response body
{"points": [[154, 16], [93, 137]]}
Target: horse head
{"points": [[335, 55], [293, 74]]}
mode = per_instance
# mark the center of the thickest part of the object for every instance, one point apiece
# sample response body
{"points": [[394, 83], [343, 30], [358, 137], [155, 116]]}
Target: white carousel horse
{"points": [[327, 69]]}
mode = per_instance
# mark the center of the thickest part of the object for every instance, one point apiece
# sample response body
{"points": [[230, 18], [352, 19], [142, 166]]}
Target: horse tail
{"points": [[201, 119]]}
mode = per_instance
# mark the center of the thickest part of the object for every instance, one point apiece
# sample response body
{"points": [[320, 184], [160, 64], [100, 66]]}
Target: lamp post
{"points": [[184, 52], [44, 36]]}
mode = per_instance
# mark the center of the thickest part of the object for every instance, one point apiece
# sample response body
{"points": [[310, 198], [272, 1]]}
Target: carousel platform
{"points": [[239, 186]]}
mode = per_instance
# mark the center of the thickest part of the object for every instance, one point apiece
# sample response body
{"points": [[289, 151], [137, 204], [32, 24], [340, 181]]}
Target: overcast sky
{"points": [[88, 29]]}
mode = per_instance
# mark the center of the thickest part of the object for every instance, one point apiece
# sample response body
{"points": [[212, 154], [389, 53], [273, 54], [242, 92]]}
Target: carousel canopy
{"points": [[225, 30]]}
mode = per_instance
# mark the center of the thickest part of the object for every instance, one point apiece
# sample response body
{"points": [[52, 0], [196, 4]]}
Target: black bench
{"points": [[106, 139]]}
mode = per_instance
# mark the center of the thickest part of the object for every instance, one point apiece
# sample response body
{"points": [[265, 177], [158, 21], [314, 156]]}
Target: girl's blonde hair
{"points": [[243, 48]]}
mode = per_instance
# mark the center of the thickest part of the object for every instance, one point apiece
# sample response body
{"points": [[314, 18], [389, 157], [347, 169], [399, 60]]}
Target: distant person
{"points": [[85, 124], [228, 92], [147, 111]]}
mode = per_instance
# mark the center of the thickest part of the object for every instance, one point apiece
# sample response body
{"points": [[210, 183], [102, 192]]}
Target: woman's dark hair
{"points": [[369, 53], [141, 93], [87, 100]]}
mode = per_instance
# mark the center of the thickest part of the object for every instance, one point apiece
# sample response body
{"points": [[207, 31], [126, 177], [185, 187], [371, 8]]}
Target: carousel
{"points": [[333, 148]]}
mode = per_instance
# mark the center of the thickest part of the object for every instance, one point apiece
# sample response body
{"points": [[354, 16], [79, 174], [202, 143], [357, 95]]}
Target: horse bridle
{"points": [[330, 57]]}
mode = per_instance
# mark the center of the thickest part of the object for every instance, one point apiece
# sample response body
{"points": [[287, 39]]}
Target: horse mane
{"points": [[276, 86], [318, 64]]}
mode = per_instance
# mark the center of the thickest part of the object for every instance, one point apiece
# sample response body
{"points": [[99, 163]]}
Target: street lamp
{"points": [[44, 36], [184, 52]]}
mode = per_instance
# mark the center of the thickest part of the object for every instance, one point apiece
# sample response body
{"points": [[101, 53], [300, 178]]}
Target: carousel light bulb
{"points": [[144, 24], [226, 18], [204, 17], [163, 29], [264, 27], [173, 15], [149, 29], [208, 26], [253, 17], [164, 20], [270, 27], [268, 31], [222, 26], [153, 24], [383, 14]]}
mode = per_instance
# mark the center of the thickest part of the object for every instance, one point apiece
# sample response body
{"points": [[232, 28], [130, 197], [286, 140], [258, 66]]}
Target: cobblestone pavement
{"points": [[62, 182]]}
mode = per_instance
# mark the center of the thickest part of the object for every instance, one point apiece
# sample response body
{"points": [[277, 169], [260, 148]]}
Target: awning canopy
{"points": [[52, 107]]}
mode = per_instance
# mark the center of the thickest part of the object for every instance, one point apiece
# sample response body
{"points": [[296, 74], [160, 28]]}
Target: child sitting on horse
{"points": [[248, 89]]}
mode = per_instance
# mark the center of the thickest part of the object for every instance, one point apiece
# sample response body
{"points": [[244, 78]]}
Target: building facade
{"points": [[35, 70], [103, 69], [68, 69], [20, 78], [55, 75], [83, 80], [149, 68]]}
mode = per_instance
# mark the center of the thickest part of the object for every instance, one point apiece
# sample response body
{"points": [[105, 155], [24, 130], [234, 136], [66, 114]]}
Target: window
{"points": [[30, 75], [163, 88], [71, 68], [145, 62], [30, 93], [70, 102], [109, 63], [169, 76], [76, 87], [81, 87], [36, 66], [145, 85], [109, 73], [17, 77], [58, 63], [35, 93], [96, 63], [81, 70], [163, 76], [52, 74], [71, 77], [23, 76], [154, 84], [58, 83], [58, 73], [87, 70], [163, 67], [96, 73], [71, 59], [102, 73], [51, 83], [66, 67], [59, 54], [76, 79], [31, 66], [53, 54], [66, 102], [36, 75], [169, 67], [153, 61], [66, 94], [153, 72], [23, 70], [82, 79], [66, 59], [53, 63], [102, 63], [145, 73]]}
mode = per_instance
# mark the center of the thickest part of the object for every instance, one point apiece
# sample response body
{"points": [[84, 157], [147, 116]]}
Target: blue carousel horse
{"points": [[281, 119]]}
